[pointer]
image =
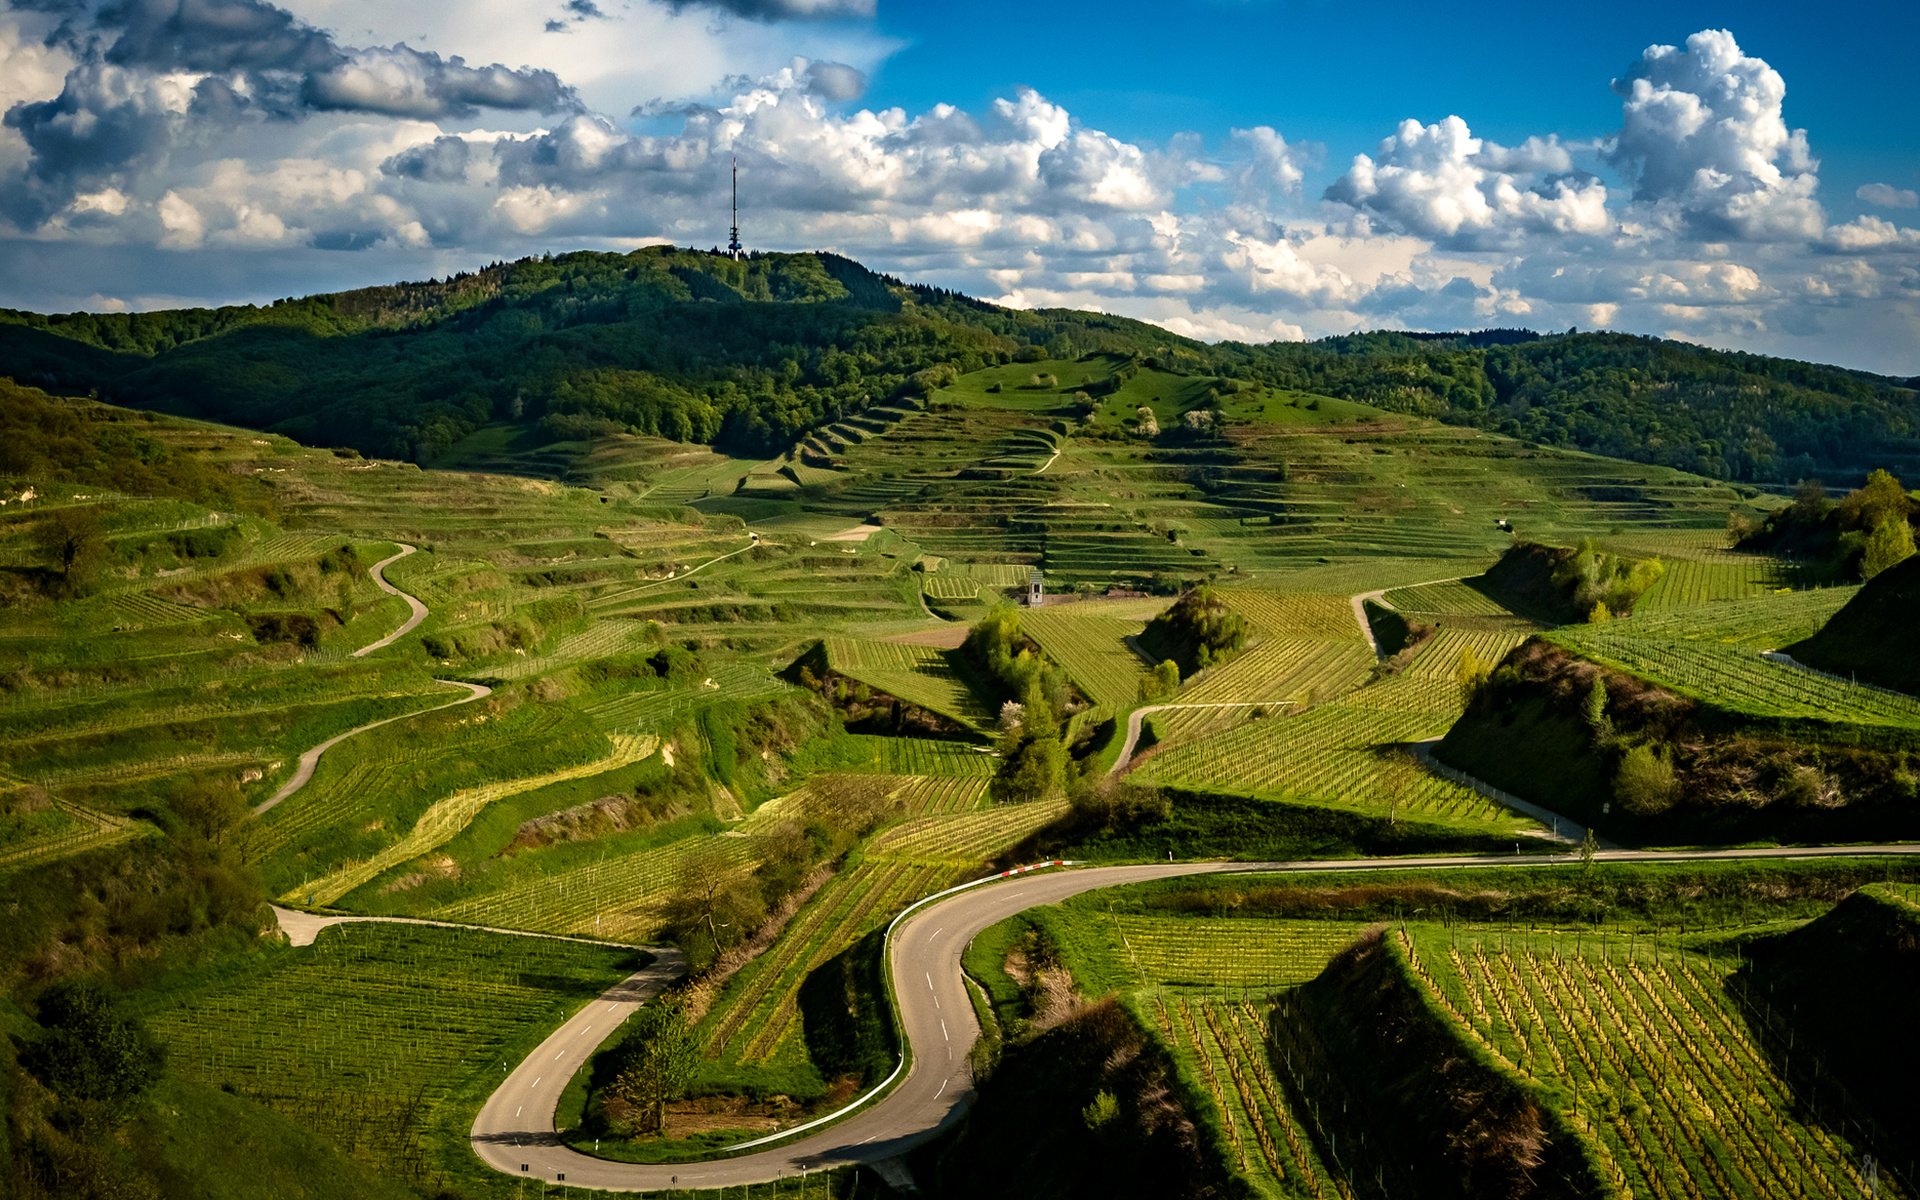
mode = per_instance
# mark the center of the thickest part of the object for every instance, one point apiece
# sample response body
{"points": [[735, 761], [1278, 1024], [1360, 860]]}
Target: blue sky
{"points": [[1315, 70], [1744, 176]]}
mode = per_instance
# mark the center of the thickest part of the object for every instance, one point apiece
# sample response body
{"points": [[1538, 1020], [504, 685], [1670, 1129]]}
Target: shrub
{"points": [[90, 1050]]}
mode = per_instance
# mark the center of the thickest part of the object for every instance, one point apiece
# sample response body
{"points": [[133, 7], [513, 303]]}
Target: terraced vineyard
{"points": [[1764, 623], [1642, 1044], [378, 1035], [1215, 952], [61, 830], [638, 607], [613, 897], [916, 674], [1094, 649], [969, 837], [1346, 754], [1222, 1045], [1738, 679], [757, 1018]]}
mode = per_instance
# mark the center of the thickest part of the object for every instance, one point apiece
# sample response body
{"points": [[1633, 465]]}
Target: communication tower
{"points": [[734, 249]]}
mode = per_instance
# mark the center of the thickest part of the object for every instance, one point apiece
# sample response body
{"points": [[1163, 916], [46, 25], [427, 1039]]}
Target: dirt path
{"points": [[418, 611], [309, 760], [753, 539]]}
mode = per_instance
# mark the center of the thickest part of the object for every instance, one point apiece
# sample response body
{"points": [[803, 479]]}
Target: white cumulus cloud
{"points": [[1705, 141]]}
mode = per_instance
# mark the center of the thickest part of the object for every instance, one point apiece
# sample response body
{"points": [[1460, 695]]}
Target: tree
{"points": [[1470, 675], [1644, 785], [71, 539], [653, 1066], [1035, 771], [1890, 544], [1881, 500], [1163, 681], [1597, 718], [714, 908]]}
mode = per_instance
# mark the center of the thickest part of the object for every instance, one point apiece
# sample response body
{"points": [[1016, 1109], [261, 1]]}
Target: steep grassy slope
{"points": [[1090, 1108], [1876, 637], [1843, 984], [1723, 761], [1431, 1112]]}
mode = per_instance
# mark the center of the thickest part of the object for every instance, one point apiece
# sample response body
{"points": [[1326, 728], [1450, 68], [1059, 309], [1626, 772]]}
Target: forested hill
{"points": [[693, 346], [750, 354], [1724, 414]]}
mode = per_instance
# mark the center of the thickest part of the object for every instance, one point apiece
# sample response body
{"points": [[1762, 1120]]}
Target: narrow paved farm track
{"points": [[1556, 826], [310, 759], [303, 927], [1141, 714], [514, 1132], [1379, 596], [417, 611]]}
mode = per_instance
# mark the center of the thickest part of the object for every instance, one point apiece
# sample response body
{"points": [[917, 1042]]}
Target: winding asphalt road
{"points": [[514, 1132]]}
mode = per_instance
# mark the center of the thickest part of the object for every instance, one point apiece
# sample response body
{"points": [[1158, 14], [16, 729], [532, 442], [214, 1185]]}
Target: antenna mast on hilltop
{"points": [[734, 249]]}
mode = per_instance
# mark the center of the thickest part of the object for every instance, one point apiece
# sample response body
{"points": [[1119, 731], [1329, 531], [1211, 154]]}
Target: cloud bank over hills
{"points": [[163, 150]]}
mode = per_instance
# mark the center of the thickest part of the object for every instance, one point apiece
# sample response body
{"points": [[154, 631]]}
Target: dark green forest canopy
{"points": [[1723, 414], [750, 354]]}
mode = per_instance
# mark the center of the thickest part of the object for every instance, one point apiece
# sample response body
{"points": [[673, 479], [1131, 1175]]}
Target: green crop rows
{"points": [[916, 674], [1222, 1044], [378, 1035], [1094, 651], [758, 1014], [1340, 755], [1739, 679], [1642, 1046]]}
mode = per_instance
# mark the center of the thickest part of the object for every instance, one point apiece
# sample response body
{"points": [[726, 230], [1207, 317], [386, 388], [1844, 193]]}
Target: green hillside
{"points": [[753, 700], [686, 345], [754, 354], [1728, 415], [1852, 1045]]}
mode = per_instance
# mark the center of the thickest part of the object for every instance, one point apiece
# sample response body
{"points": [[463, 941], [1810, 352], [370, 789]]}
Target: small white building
{"points": [[1036, 589]]}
